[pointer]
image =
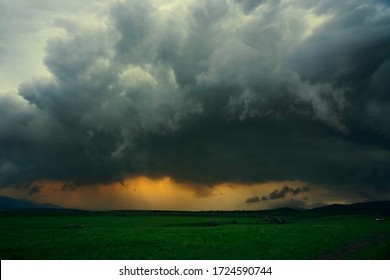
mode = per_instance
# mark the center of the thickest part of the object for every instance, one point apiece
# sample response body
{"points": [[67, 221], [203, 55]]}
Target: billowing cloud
{"points": [[277, 194], [207, 92]]}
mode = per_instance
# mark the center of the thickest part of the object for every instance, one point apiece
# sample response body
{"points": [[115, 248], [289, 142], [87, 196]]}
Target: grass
{"points": [[189, 237]]}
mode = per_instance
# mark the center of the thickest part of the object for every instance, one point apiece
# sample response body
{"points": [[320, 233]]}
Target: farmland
{"points": [[188, 235]]}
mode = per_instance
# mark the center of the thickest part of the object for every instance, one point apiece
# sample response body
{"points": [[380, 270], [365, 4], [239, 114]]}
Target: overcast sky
{"points": [[240, 92]]}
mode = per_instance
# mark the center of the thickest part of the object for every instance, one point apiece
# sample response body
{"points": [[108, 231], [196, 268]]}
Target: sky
{"points": [[195, 104]]}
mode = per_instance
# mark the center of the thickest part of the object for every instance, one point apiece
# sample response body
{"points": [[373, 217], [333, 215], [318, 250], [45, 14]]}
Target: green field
{"points": [[161, 236]]}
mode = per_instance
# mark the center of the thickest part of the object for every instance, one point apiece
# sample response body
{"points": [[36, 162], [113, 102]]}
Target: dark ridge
{"points": [[11, 206], [372, 208], [9, 203]]}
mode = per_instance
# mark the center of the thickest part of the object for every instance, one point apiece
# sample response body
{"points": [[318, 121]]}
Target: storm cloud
{"points": [[253, 199], [278, 194], [35, 190], [209, 92]]}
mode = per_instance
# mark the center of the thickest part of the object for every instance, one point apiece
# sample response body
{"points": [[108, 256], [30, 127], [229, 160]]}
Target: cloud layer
{"points": [[208, 92]]}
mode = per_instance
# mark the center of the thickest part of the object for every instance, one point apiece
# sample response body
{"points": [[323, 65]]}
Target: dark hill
{"points": [[374, 208], [9, 203]]}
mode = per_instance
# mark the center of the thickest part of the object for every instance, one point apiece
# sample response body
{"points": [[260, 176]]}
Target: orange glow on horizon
{"points": [[143, 193]]}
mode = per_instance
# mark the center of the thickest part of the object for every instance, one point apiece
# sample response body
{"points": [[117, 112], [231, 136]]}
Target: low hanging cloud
{"points": [[35, 189], [253, 199], [68, 187], [208, 92], [278, 194]]}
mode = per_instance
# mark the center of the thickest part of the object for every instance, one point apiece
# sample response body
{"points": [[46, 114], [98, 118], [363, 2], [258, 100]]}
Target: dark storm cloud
{"points": [[29, 188], [208, 92], [68, 186], [35, 189], [278, 194], [254, 199]]}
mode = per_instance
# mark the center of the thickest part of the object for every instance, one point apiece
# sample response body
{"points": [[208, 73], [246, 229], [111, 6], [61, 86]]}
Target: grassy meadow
{"points": [[206, 235]]}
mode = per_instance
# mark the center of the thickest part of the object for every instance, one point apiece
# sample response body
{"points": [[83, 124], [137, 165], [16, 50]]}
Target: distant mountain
{"points": [[374, 208], [9, 203]]}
